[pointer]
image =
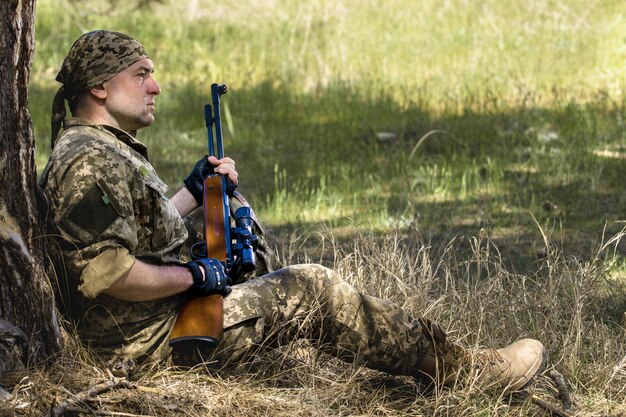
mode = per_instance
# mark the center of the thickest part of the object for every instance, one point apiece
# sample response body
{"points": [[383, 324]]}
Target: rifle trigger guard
{"points": [[198, 250]]}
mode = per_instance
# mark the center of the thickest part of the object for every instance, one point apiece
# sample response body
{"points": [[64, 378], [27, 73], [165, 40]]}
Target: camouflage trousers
{"points": [[313, 302]]}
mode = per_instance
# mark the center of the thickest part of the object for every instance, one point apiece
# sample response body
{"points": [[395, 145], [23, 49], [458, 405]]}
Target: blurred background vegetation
{"points": [[461, 117]]}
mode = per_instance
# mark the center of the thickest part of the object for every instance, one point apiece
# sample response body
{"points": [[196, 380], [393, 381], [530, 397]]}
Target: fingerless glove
{"points": [[213, 281], [195, 180]]}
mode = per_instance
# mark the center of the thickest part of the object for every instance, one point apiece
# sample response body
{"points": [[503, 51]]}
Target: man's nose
{"points": [[154, 88]]}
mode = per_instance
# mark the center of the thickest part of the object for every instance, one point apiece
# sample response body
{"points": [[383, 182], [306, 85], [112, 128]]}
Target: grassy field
{"points": [[464, 159], [456, 114]]}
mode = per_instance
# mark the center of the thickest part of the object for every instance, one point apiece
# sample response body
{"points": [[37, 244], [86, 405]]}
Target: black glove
{"points": [[195, 180], [214, 281]]}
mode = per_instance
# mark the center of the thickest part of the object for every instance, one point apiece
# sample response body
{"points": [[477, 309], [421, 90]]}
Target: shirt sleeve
{"points": [[104, 270], [93, 203]]}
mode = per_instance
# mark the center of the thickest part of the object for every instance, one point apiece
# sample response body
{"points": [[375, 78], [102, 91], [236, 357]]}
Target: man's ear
{"points": [[98, 91]]}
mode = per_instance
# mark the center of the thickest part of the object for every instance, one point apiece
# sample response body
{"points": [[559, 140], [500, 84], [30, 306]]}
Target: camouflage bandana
{"points": [[93, 59]]}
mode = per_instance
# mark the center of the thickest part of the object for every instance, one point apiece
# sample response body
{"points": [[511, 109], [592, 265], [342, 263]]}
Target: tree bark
{"points": [[29, 331]]}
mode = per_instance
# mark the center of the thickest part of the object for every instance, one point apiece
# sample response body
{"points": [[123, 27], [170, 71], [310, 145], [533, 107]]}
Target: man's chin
{"points": [[145, 122]]}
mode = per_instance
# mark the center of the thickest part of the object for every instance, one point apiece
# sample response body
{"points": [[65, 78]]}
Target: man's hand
{"points": [[209, 277], [225, 166], [195, 180]]}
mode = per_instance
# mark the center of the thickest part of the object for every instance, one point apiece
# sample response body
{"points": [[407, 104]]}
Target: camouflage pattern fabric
{"points": [[108, 207], [313, 302], [94, 58]]}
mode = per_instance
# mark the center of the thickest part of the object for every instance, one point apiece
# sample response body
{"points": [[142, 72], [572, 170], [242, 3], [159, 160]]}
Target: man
{"points": [[121, 274]]}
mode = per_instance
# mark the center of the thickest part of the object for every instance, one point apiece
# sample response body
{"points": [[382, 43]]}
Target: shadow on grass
{"points": [[508, 166]]}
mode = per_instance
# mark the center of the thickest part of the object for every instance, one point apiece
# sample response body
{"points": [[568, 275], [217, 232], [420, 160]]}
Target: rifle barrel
{"points": [[208, 121], [216, 92], [213, 116]]}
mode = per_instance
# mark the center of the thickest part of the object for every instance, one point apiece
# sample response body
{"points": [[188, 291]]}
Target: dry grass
{"points": [[573, 306]]}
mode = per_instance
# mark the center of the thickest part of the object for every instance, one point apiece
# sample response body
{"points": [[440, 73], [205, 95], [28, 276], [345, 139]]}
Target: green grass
{"points": [[509, 87], [493, 130]]}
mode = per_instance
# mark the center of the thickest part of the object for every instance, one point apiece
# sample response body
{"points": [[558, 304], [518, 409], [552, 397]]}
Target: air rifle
{"points": [[200, 322]]}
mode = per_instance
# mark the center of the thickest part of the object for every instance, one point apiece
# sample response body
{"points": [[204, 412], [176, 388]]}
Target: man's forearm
{"points": [[146, 282], [184, 202]]}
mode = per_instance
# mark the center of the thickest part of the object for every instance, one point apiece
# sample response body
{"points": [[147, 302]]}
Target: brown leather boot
{"points": [[440, 363], [511, 368]]}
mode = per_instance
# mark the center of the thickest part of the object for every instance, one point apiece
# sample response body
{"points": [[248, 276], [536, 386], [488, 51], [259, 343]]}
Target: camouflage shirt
{"points": [[108, 207]]}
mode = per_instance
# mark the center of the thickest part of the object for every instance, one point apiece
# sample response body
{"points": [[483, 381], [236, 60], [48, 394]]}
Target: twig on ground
{"points": [[551, 408], [105, 413], [561, 385], [71, 403]]}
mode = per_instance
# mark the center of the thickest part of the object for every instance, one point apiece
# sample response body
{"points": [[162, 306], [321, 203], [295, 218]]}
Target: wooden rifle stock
{"points": [[200, 322]]}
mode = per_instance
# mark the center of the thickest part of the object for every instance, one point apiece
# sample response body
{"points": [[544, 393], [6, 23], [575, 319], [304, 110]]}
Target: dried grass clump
{"points": [[573, 306]]}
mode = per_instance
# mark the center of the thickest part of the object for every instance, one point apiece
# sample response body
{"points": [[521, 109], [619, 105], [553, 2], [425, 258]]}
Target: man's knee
{"points": [[312, 277]]}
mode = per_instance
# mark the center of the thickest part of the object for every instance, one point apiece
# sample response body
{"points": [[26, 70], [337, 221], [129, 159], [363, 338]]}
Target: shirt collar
{"points": [[126, 137]]}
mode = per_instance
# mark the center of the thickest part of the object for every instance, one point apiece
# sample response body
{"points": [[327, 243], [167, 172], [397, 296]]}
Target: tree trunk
{"points": [[29, 331]]}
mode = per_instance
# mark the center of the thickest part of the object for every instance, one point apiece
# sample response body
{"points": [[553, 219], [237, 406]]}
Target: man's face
{"points": [[130, 96]]}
